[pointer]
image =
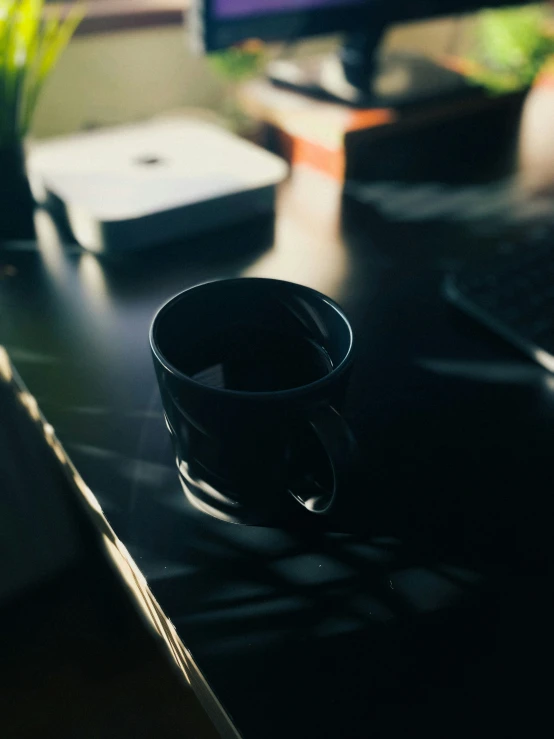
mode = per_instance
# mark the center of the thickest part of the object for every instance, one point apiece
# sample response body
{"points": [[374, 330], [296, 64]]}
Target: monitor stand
{"points": [[362, 77]]}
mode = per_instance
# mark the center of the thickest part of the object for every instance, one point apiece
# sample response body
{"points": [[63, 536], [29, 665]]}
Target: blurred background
{"points": [[132, 59]]}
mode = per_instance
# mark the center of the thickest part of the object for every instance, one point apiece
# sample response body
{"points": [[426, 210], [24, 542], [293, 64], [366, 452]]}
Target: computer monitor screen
{"points": [[224, 23]]}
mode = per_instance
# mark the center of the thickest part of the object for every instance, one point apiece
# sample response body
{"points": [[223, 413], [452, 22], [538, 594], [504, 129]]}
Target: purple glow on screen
{"points": [[236, 8]]}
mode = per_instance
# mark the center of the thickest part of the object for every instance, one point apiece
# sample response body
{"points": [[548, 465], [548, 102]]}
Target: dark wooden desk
{"points": [[424, 609]]}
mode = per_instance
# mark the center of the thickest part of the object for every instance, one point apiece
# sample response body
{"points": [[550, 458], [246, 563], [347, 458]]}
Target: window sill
{"points": [[106, 16]]}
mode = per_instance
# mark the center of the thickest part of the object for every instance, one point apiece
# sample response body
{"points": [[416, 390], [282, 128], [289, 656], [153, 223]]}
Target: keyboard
{"points": [[513, 295]]}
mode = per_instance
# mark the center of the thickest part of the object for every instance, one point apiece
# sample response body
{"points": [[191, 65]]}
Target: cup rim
{"points": [[264, 394]]}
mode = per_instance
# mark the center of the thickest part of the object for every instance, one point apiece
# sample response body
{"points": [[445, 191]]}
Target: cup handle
{"points": [[339, 444]]}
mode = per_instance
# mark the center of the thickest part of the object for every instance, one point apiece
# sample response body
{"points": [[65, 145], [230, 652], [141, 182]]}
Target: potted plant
{"points": [[509, 48], [31, 42], [513, 50]]}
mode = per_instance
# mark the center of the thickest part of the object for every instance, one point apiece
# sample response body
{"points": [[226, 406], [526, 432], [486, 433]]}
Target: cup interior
{"points": [[252, 335]]}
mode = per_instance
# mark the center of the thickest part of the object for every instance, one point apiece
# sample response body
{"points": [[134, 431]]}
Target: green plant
{"points": [[30, 45], [511, 46], [234, 66], [241, 62]]}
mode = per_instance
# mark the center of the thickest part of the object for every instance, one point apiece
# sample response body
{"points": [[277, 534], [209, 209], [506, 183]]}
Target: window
{"points": [[113, 15]]}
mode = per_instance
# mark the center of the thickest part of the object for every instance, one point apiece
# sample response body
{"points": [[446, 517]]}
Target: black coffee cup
{"points": [[252, 374]]}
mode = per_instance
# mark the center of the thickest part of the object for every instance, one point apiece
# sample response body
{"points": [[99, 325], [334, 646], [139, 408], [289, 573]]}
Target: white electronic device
{"points": [[155, 182]]}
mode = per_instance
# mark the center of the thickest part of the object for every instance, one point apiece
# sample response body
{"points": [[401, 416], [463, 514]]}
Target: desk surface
{"points": [[424, 608]]}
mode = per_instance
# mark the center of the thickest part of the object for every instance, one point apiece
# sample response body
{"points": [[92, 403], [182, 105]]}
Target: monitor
{"points": [[358, 74], [224, 23]]}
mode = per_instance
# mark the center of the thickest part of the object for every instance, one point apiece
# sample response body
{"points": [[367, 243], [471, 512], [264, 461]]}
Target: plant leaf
{"points": [[30, 46], [57, 35], [7, 26], [511, 47]]}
